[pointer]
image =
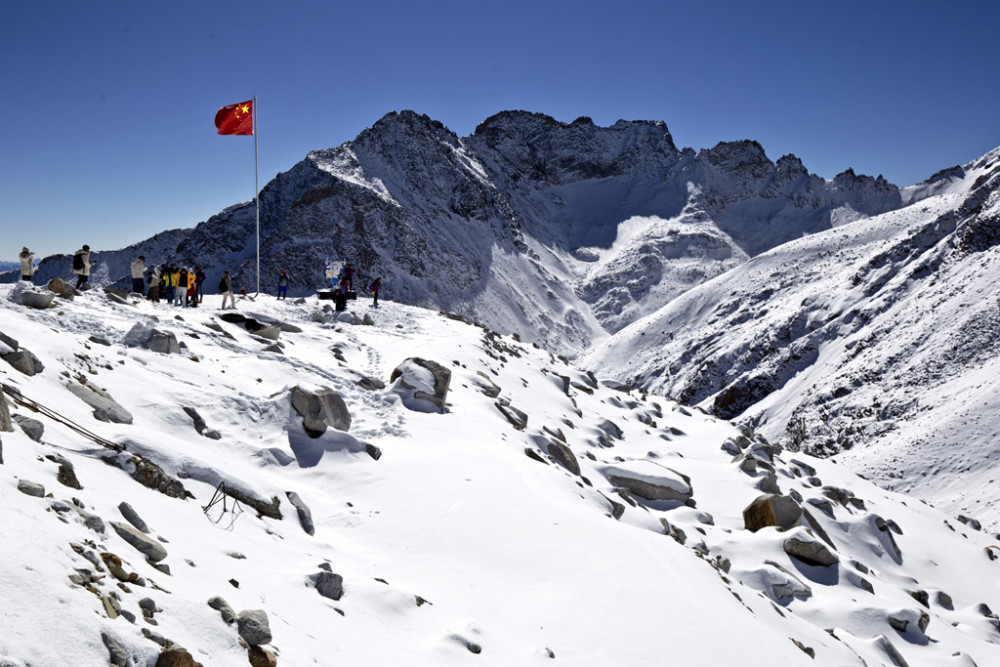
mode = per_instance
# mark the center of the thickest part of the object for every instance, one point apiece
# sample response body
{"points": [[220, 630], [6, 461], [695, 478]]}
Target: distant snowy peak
{"points": [[544, 150]]}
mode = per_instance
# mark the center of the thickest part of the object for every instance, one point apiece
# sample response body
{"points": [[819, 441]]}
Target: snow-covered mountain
{"points": [[406, 488], [878, 337], [561, 232]]}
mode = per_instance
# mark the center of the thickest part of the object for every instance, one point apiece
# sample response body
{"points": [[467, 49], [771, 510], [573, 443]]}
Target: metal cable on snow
{"points": [[22, 400]]}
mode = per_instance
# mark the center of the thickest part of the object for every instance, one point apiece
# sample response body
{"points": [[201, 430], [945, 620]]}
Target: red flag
{"points": [[235, 118]]}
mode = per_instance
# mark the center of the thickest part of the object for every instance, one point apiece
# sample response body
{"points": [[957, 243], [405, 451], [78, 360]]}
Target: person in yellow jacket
{"points": [[173, 278], [190, 289]]}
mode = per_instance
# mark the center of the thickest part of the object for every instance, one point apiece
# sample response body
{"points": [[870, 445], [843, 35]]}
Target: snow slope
{"points": [[519, 525], [878, 337]]}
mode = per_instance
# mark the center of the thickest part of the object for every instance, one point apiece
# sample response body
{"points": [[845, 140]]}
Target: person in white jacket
{"points": [[138, 271], [27, 264], [81, 266]]}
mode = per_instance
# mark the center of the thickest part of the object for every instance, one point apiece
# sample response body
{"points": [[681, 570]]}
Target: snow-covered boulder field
{"points": [[422, 491]]}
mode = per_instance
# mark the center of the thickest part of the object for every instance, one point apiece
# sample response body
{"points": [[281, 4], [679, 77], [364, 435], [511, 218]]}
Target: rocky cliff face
{"points": [[521, 224]]}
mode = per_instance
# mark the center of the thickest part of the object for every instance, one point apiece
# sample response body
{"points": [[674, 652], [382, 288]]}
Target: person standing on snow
{"points": [[226, 287], [349, 272], [138, 270], [27, 264], [81, 266], [199, 278], [282, 286], [375, 286], [153, 274], [173, 279], [191, 295]]}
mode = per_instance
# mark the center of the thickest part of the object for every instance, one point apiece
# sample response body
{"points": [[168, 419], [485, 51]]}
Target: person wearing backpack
{"points": [[81, 266], [374, 287], [27, 264], [226, 287]]}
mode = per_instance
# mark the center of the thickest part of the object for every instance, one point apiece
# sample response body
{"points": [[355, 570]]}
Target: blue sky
{"points": [[106, 125]]}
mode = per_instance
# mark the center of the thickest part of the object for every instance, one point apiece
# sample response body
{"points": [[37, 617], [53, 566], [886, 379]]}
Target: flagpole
{"points": [[256, 188]]}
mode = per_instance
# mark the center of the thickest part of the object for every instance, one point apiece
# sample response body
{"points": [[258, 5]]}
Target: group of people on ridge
{"points": [[183, 286]]}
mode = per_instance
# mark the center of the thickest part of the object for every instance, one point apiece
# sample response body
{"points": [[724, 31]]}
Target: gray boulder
{"points": [[5, 422], [7, 342], [164, 342], [67, 474], [30, 488], [321, 409], [117, 655], [651, 481], [33, 428], [200, 426], [305, 515], [150, 548], [771, 510], [329, 585], [62, 289], [253, 626], [611, 429], [370, 383], [421, 384], [24, 361], [139, 334], [106, 409], [564, 455], [37, 299], [132, 517], [221, 606], [517, 418], [810, 551]]}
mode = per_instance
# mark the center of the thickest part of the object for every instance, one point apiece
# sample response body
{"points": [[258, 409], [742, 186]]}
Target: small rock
{"points": [[261, 657], [32, 428], [164, 342], [132, 517], [31, 488], [517, 418], [422, 384], [371, 383], [25, 362], [330, 585], [771, 510], [321, 409], [153, 550], [220, 605], [176, 657], [253, 626], [810, 551], [305, 515], [67, 475], [114, 565], [564, 455], [5, 422], [117, 656], [40, 299]]}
